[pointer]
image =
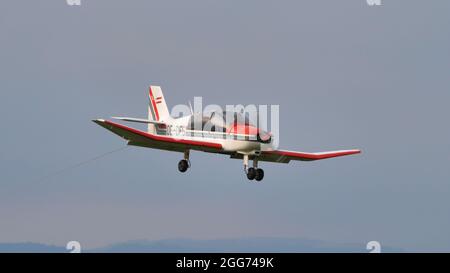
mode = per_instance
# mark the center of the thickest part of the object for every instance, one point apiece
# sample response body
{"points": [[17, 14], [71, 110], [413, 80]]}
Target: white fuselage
{"points": [[178, 129]]}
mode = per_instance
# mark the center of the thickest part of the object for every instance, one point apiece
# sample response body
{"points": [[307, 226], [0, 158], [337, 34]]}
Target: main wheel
{"points": [[251, 173], [259, 174], [183, 165]]}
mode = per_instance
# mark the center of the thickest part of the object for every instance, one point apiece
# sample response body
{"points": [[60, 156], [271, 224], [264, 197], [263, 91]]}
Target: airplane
{"points": [[227, 133]]}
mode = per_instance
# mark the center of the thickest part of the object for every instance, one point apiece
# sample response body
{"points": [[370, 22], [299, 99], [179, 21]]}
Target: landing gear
{"points": [[259, 174], [253, 173], [184, 164]]}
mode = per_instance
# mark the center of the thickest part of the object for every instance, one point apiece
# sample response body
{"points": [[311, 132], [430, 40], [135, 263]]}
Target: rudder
{"points": [[158, 105], [157, 108]]}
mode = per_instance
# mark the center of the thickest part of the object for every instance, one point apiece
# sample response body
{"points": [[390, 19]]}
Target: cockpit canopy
{"points": [[228, 122], [223, 119]]}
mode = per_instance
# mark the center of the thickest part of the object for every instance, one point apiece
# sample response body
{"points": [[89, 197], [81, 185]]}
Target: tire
{"points": [[259, 175], [251, 173], [183, 165]]}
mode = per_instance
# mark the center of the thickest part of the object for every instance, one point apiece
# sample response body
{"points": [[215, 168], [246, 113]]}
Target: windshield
{"points": [[230, 118], [218, 121]]}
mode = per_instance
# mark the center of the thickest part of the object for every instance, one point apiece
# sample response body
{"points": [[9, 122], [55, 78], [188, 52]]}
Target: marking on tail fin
{"points": [[152, 99]]}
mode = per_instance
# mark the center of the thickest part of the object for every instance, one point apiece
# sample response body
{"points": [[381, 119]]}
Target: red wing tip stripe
{"points": [[163, 138], [315, 155]]}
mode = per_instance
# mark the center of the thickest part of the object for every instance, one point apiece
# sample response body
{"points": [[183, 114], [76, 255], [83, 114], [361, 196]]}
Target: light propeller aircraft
{"points": [[212, 133]]}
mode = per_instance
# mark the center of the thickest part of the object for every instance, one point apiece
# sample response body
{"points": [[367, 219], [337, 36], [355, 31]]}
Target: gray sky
{"points": [[345, 75]]}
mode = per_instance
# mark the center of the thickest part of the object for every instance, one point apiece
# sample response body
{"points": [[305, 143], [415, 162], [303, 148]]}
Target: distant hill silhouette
{"points": [[30, 247], [257, 244]]}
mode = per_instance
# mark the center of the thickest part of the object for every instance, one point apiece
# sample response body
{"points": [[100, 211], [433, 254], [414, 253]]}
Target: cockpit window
{"points": [[209, 122], [231, 118], [218, 121]]}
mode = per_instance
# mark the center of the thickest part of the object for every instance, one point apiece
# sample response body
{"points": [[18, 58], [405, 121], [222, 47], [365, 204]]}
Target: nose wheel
{"points": [[253, 173], [184, 164]]}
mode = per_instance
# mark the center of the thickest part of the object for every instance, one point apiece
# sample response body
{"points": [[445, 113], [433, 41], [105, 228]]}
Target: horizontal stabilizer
{"points": [[139, 120]]}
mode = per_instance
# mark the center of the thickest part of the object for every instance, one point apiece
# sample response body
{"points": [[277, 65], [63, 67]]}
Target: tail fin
{"points": [[158, 106], [157, 109]]}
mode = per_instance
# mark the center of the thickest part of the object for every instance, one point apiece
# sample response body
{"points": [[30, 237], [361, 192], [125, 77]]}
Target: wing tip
{"points": [[338, 152], [346, 152], [99, 121]]}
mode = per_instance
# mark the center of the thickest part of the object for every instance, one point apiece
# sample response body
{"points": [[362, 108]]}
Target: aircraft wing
{"points": [[140, 138], [283, 156]]}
